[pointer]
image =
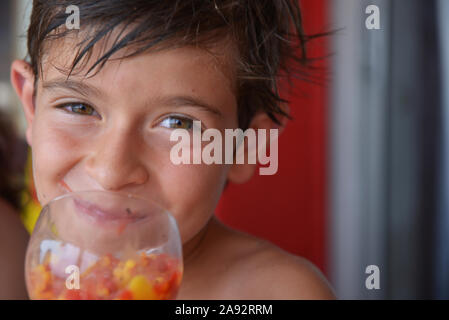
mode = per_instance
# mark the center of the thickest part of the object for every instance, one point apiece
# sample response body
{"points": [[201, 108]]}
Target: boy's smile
{"points": [[112, 131]]}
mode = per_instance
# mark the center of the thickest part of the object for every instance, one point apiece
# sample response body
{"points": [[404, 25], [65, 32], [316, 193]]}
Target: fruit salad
{"points": [[147, 277]]}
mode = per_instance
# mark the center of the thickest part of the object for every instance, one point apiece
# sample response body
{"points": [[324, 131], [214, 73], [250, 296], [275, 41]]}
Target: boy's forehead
{"points": [[59, 55]]}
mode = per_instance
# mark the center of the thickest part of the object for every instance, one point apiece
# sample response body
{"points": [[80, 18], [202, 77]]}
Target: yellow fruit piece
{"points": [[130, 264], [141, 288]]}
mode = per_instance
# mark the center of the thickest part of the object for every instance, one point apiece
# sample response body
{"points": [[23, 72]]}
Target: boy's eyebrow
{"points": [[184, 100], [88, 90], [77, 86]]}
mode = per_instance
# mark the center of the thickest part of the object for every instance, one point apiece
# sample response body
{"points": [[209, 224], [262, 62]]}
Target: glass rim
{"points": [[123, 195]]}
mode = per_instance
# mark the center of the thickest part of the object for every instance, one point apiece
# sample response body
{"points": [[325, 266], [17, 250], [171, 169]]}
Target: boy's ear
{"points": [[240, 173], [22, 79]]}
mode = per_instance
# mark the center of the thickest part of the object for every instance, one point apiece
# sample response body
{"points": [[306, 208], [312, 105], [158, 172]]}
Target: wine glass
{"points": [[104, 245]]}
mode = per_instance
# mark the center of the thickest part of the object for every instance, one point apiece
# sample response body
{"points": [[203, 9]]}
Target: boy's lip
{"points": [[98, 214], [101, 215]]}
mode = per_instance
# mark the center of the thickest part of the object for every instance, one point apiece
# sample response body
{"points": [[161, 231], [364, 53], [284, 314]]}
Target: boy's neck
{"points": [[192, 248]]}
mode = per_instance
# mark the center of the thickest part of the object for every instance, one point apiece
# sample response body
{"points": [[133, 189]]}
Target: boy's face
{"points": [[112, 131]]}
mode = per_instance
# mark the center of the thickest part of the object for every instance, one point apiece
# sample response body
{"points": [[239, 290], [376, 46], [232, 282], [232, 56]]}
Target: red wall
{"points": [[288, 208]]}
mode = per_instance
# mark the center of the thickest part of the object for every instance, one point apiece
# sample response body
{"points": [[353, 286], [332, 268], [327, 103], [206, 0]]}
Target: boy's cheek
{"points": [[53, 152], [192, 192], [45, 173]]}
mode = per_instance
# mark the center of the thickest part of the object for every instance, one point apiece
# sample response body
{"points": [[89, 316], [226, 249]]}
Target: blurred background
{"points": [[363, 174]]}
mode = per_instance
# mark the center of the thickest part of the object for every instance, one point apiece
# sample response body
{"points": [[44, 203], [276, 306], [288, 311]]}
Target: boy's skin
{"points": [[125, 147], [13, 243]]}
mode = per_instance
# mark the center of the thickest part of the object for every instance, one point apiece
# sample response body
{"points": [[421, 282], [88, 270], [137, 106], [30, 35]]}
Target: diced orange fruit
{"points": [[141, 288], [149, 277]]}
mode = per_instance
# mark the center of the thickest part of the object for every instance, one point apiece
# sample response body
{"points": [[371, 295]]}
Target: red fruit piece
{"points": [[126, 295], [72, 295]]}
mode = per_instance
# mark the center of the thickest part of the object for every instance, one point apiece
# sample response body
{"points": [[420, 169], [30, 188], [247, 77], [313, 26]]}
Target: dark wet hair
{"points": [[12, 162], [268, 35]]}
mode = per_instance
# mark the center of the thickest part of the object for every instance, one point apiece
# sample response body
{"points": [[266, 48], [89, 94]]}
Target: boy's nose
{"points": [[114, 164]]}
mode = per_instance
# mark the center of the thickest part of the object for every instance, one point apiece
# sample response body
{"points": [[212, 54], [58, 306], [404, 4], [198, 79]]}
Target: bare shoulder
{"points": [[13, 243], [277, 274], [260, 270], [10, 222]]}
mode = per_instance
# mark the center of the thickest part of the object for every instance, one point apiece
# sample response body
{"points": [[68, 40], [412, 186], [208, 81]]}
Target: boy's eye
{"points": [[172, 122], [80, 108]]}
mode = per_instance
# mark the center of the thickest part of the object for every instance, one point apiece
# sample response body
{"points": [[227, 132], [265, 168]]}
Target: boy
{"points": [[101, 102]]}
